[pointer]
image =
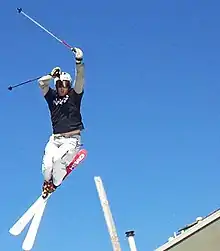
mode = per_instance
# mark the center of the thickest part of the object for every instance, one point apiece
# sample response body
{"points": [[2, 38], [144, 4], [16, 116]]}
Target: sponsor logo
{"points": [[80, 158], [77, 161], [61, 101]]}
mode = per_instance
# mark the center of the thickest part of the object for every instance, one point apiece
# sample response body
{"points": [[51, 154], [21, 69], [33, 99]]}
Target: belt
{"points": [[67, 134]]}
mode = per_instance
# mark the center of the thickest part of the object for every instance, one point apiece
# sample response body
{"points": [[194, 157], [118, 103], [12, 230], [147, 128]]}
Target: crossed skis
{"points": [[36, 210]]}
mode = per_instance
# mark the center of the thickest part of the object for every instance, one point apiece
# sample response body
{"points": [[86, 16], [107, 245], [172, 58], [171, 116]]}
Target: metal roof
{"points": [[201, 235]]}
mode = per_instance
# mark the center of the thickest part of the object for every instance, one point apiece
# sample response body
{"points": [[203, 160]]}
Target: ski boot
{"points": [[48, 188]]}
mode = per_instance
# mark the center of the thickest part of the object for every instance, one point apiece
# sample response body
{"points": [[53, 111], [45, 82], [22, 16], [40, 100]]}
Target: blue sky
{"points": [[151, 111]]}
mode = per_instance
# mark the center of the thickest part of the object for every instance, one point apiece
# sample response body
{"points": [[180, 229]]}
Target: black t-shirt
{"points": [[65, 111]]}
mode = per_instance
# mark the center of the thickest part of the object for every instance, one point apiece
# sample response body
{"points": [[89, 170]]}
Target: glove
{"points": [[55, 72], [78, 54]]}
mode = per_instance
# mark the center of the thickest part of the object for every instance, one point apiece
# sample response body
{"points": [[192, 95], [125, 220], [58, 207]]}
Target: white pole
{"points": [[107, 214], [131, 241]]}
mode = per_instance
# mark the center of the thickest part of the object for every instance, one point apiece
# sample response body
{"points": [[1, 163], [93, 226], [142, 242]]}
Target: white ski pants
{"points": [[59, 152]]}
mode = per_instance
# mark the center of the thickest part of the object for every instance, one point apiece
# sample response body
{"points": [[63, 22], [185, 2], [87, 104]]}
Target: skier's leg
{"points": [[51, 150], [67, 151]]}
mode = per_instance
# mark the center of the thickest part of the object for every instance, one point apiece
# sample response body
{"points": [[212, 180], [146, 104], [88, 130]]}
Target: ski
{"points": [[39, 204], [29, 240], [80, 156], [19, 226], [33, 229]]}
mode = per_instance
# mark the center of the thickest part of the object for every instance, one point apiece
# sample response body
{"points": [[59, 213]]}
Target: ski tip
{"points": [[13, 232], [25, 248]]}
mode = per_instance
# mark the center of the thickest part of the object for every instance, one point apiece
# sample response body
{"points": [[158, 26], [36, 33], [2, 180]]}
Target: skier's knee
{"points": [[68, 157]]}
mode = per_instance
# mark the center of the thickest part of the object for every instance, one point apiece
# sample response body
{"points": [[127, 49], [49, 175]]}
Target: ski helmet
{"points": [[64, 76]]}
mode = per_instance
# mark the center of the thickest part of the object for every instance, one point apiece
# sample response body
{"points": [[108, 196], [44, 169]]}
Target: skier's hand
{"points": [[55, 72], [78, 54]]}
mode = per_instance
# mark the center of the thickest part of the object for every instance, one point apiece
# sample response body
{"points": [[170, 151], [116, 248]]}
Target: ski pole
{"points": [[50, 33], [23, 83]]}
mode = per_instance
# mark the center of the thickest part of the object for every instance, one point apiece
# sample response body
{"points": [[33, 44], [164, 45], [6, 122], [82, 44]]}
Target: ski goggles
{"points": [[64, 84]]}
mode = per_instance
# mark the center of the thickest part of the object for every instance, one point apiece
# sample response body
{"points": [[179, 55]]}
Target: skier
{"points": [[64, 104]]}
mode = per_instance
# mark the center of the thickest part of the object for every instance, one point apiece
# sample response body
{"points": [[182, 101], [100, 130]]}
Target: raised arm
{"points": [[44, 82], [79, 71]]}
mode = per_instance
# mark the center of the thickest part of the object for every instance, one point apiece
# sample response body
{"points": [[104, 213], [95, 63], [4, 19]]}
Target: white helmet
{"points": [[64, 76]]}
